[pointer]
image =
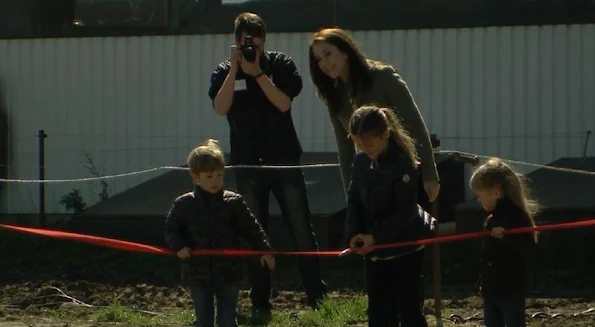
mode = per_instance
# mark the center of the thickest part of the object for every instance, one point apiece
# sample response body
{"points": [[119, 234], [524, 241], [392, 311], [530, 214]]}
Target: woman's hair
{"points": [[207, 157], [496, 174], [375, 121], [359, 66]]}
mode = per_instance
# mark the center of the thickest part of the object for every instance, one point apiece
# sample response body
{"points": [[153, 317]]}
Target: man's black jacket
{"points": [[260, 134]]}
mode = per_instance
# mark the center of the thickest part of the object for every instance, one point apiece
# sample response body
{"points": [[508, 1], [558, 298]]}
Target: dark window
{"points": [[68, 18], [216, 16], [120, 13]]}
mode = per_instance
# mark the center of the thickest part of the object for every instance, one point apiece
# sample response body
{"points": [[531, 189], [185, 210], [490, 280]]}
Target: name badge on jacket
{"points": [[240, 85]]}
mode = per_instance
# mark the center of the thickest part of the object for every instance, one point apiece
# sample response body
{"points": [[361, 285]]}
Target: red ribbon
{"points": [[144, 248]]}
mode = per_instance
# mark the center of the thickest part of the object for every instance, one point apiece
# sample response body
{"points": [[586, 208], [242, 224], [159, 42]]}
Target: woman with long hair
{"points": [[345, 80]]}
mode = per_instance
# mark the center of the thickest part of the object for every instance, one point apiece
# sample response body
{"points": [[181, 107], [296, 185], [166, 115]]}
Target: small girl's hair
{"points": [[495, 173], [207, 157], [372, 120]]}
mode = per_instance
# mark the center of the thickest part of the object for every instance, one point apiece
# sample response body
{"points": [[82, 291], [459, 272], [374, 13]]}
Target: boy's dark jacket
{"points": [[382, 201], [505, 262], [201, 220]]}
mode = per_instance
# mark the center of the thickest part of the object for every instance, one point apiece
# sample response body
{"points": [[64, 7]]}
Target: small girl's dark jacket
{"points": [[201, 220], [505, 262], [382, 200]]}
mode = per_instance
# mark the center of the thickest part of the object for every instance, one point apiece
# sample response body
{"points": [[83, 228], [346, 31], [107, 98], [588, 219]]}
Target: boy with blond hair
{"points": [[212, 218]]}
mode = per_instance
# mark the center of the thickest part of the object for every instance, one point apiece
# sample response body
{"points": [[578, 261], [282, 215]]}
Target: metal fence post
{"points": [[41, 135]]}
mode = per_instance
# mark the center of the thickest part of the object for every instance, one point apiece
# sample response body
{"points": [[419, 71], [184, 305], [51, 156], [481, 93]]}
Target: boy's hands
{"points": [[362, 241], [268, 261], [184, 253]]}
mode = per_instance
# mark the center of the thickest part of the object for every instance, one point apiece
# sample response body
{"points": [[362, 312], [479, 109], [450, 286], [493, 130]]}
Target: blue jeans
{"points": [[227, 301], [504, 311], [289, 188]]}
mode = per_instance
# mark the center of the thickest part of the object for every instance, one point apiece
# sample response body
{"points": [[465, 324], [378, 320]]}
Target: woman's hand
{"points": [[432, 189]]}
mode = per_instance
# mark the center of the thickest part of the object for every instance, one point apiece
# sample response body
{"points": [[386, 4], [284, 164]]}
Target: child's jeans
{"points": [[227, 301], [393, 288], [504, 311]]}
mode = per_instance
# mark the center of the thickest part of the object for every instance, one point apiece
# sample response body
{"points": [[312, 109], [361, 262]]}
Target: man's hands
{"points": [[362, 241], [238, 61], [235, 58], [251, 68]]}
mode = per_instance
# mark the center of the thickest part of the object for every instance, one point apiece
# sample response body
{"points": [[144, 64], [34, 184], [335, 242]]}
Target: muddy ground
{"points": [[32, 303], [39, 275]]}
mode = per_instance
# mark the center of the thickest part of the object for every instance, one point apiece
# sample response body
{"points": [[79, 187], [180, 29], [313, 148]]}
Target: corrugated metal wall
{"points": [[525, 93]]}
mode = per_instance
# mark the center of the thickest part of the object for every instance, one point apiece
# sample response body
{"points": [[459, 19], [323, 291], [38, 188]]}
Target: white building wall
{"points": [[524, 93]]}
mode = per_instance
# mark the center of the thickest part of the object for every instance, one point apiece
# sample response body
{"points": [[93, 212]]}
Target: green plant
{"points": [[73, 201], [89, 164]]}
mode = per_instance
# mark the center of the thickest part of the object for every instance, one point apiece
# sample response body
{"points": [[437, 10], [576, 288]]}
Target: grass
{"points": [[331, 314], [119, 314]]}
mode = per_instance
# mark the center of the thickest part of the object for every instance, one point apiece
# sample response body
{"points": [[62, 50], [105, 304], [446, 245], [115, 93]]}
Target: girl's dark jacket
{"points": [[201, 220], [505, 262], [382, 201]]}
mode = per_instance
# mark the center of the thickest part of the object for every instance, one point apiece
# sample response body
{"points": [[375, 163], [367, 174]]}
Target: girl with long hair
{"points": [[382, 209], [505, 275]]}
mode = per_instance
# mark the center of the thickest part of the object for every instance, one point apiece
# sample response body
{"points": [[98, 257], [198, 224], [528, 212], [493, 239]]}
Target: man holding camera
{"points": [[254, 90]]}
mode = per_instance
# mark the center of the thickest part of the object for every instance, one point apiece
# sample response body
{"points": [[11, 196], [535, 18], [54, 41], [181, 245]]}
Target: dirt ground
{"points": [[39, 303], [42, 280], [32, 303]]}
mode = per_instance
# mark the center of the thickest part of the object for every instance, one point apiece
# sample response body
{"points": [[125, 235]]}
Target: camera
{"points": [[248, 49]]}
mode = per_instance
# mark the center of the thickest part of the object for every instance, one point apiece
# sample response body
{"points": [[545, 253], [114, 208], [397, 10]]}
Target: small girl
{"points": [[504, 280], [382, 208]]}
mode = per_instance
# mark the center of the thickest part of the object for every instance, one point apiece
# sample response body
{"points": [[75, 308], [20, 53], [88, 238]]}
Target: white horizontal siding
{"points": [[525, 93]]}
